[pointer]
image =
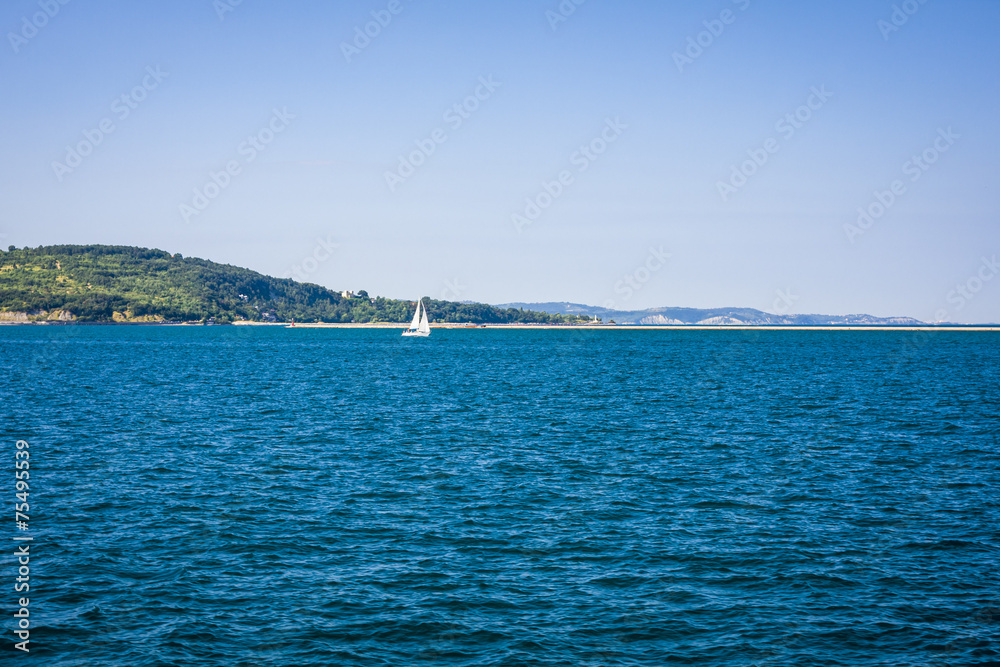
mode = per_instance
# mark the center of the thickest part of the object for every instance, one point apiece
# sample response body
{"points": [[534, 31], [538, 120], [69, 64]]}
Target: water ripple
{"points": [[254, 496]]}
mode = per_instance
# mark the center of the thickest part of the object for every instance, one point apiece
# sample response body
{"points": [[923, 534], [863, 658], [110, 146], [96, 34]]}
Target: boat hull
{"points": [[418, 334]]}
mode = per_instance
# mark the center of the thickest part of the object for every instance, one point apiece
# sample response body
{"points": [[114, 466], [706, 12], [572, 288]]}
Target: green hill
{"points": [[100, 283]]}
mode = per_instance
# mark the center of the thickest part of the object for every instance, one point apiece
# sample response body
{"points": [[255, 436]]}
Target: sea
{"points": [[226, 495]]}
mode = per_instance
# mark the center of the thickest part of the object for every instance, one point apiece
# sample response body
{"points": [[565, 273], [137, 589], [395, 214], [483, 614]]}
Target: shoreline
{"points": [[655, 327], [540, 327]]}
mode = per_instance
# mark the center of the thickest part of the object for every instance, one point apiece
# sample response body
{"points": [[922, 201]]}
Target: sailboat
{"points": [[419, 326]]}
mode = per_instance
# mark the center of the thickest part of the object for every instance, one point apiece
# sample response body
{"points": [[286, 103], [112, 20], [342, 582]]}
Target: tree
{"points": [[94, 282]]}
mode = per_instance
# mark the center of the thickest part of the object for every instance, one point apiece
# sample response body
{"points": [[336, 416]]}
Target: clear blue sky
{"points": [[672, 132]]}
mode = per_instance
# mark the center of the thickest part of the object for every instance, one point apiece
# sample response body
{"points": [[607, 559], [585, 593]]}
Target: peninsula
{"points": [[101, 283]]}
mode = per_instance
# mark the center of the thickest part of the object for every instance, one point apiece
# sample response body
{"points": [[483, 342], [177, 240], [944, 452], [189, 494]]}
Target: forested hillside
{"points": [[122, 283]]}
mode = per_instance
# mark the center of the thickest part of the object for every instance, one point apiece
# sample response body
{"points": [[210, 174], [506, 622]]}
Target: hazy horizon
{"points": [[530, 152]]}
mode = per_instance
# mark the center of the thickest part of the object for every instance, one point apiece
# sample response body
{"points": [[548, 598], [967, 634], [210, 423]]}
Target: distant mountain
{"points": [[707, 316], [100, 283]]}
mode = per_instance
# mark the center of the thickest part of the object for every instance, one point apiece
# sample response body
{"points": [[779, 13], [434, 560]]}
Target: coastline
{"points": [[635, 327], [538, 327]]}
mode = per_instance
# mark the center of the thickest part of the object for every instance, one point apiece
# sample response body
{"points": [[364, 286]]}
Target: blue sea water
{"points": [[272, 496]]}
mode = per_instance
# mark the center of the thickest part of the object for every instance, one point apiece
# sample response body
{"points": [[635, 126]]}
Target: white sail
{"points": [[425, 326], [416, 317], [419, 326]]}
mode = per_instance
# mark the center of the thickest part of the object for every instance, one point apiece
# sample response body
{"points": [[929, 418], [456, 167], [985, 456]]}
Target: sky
{"points": [[796, 157]]}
